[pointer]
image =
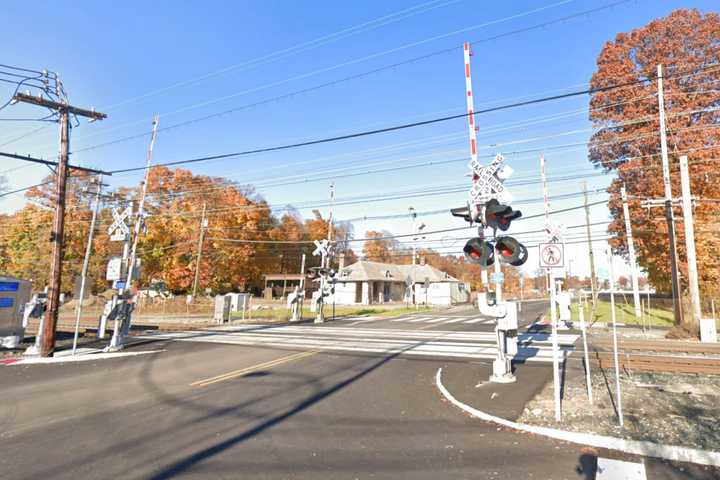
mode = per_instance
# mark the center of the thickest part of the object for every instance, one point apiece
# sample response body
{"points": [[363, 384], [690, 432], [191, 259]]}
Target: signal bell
{"points": [[511, 251], [479, 251]]}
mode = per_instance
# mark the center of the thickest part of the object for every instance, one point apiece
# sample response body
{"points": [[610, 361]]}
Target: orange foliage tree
{"points": [[628, 140]]}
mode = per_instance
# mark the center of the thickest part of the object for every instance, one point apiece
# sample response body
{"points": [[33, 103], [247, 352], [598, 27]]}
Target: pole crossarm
{"points": [[28, 158], [59, 106]]}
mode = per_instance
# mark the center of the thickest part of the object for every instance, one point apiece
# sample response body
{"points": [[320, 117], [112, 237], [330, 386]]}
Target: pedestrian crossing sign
{"points": [[551, 255]]}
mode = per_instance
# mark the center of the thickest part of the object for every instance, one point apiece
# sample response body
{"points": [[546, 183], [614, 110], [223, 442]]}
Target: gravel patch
{"points": [[670, 409]]}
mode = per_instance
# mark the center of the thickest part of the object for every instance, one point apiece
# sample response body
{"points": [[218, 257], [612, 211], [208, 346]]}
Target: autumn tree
{"points": [[238, 222], [379, 246], [25, 241], [687, 44]]}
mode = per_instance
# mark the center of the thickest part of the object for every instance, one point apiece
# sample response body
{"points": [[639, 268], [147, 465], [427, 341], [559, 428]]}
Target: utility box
{"points": [[510, 320], [708, 330], [222, 309], [14, 294], [239, 301]]}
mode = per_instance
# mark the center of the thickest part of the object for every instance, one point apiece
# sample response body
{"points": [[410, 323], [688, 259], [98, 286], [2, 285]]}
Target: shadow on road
{"points": [[206, 453], [587, 466]]}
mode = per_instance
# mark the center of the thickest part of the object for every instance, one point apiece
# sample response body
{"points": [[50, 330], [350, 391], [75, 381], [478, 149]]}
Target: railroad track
{"points": [[658, 363], [658, 346]]}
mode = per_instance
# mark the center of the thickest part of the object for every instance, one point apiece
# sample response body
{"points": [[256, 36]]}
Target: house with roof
{"points": [[368, 283]]}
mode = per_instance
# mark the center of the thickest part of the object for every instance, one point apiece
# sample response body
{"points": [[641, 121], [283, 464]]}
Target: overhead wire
{"points": [[394, 128], [364, 74]]}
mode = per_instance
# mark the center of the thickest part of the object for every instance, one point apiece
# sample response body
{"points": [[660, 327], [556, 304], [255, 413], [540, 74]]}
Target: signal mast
{"points": [[488, 206]]}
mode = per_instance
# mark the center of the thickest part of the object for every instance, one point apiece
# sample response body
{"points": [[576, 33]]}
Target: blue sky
{"points": [[134, 59]]}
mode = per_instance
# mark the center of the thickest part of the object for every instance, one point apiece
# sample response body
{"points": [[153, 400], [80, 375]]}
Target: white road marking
{"points": [[85, 357], [608, 469], [419, 319], [456, 320], [476, 320], [478, 345], [437, 320]]}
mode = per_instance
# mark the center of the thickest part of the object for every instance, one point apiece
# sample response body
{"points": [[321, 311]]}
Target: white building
{"points": [[366, 283]]}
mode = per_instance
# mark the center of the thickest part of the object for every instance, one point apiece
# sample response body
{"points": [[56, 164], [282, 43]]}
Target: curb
{"points": [[79, 358], [636, 447]]}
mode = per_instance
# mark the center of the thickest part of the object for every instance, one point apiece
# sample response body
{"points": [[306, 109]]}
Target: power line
{"points": [[367, 73], [401, 127]]}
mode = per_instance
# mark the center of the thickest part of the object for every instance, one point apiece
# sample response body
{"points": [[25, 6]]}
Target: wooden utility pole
{"points": [[593, 278], [669, 216], [203, 224], [64, 110]]}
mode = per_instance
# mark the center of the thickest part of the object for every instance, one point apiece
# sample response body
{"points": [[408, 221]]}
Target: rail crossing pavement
{"points": [[422, 319], [533, 347]]}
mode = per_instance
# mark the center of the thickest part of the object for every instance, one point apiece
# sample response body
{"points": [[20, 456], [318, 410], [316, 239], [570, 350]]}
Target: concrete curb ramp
{"points": [[76, 358], [636, 447]]}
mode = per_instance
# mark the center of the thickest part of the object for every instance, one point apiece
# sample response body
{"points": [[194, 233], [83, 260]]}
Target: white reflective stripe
{"points": [[419, 319]]}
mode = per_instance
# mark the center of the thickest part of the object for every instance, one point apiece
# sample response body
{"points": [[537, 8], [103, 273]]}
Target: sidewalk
{"points": [[469, 383]]}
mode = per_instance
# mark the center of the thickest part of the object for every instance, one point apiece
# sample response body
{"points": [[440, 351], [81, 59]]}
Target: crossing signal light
{"points": [[314, 273], [511, 251], [479, 251], [499, 215]]}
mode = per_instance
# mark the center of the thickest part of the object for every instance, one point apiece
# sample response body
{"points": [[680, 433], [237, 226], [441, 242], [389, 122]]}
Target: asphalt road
{"points": [[202, 409]]}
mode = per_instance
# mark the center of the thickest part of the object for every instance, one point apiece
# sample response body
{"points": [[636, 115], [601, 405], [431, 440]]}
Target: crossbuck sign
{"points": [[489, 182], [119, 230], [321, 248]]}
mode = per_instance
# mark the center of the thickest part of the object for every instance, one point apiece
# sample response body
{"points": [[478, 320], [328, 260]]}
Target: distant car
{"points": [[157, 289]]}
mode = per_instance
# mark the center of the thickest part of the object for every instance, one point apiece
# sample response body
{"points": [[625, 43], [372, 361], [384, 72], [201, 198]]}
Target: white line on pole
{"points": [[690, 240], [556, 361], [588, 379], [86, 263], [618, 392], [631, 254]]}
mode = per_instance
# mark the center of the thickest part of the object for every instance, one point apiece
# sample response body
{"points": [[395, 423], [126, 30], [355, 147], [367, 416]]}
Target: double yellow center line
{"points": [[254, 368]]}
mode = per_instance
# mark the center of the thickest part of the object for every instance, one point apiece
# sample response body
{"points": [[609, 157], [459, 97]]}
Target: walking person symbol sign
{"points": [[551, 255]]}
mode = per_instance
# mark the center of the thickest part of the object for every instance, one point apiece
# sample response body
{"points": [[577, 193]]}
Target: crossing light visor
{"points": [[479, 251], [511, 251]]}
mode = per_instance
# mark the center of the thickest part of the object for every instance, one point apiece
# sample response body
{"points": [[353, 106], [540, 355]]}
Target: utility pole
{"points": [[593, 278], [669, 216], [690, 240], [116, 342], [203, 225], [325, 260], [553, 312], [301, 291], [86, 262], [631, 252], [413, 215], [618, 390], [47, 343]]}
